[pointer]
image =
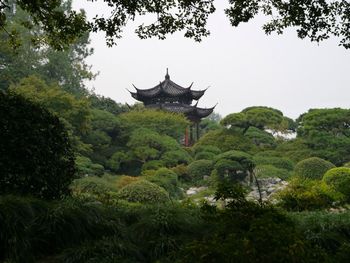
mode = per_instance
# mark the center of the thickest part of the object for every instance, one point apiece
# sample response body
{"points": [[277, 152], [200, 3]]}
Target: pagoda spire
{"points": [[167, 74]]}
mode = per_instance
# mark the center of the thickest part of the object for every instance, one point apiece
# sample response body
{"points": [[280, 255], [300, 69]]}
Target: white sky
{"points": [[243, 66]]}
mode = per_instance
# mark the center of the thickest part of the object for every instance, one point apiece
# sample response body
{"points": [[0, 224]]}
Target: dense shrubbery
{"points": [[278, 162], [306, 194], [198, 169], [144, 192], [268, 170], [339, 179], [166, 179], [312, 168], [36, 157]]}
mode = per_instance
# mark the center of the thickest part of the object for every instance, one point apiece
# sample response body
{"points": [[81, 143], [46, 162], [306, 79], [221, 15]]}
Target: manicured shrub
{"points": [[206, 148], [268, 170], [173, 158], [167, 179], [244, 159], [152, 165], [182, 172], [144, 192], [339, 178], [278, 162], [205, 156], [312, 168], [200, 168], [36, 156]]}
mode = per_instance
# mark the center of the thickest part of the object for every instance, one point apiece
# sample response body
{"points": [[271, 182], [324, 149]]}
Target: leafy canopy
{"points": [[316, 20]]}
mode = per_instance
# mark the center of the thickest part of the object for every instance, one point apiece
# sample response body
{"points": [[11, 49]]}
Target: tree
{"points": [[25, 57], [316, 20], [164, 123], [36, 157], [327, 133], [259, 117]]}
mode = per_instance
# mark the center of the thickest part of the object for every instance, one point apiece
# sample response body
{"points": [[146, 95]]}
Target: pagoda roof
{"points": [[168, 88], [191, 111]]}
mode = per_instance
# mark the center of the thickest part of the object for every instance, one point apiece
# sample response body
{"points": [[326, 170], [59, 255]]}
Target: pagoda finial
{"points": [[167, 74]]}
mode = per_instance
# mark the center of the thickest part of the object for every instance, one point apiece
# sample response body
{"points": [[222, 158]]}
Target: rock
{"points": [[191, 191]]}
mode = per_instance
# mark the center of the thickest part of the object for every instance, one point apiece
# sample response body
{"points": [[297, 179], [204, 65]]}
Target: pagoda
{"points": [[169, 96]]}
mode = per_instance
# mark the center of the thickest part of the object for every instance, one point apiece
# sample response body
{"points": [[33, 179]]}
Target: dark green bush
{"points": [[173, 158], [152, 165], [200, 168], [243, 231], [144, 192], [312, 168], [35, 153], [244, 159], [339, 178], [86, 167], [205, 156], [182, 172]]}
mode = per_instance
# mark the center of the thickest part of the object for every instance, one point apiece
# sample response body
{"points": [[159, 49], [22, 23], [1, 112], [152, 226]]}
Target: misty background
{"points": [[243, 66]]}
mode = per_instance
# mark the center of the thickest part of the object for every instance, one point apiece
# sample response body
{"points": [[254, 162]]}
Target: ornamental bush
{"points": [[339, 178], [36, 156], [268, 170], [278, 162], [144, 192], [166, 179], [199, 168], [312, 168]]}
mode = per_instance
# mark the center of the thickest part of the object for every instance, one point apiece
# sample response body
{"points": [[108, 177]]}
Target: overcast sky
{"points": [[243, 66]]}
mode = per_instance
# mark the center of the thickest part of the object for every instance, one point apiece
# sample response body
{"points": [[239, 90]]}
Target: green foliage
{"points": [[327, 232], [226, 140], [278, 162], [312, 168], [86, 167], [167, 179], [206, 152], [20, 55], [243, 231], [197, 169], [16, 215], [144, 192], [152, 165], [326, 132], [174, 158], [162, 122], [257, 117], [35, 154], [92, 188], [107, 104], [65, 105], [268, 170], [182, 172], [260, 138], [306, 194], [339, 179]]}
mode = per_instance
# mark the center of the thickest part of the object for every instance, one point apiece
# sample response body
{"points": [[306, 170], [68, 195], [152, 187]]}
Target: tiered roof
{"points": [[172, 97]]}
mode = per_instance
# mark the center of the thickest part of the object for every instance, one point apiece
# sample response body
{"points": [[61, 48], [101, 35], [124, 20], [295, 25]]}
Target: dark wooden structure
{"points": [[169, 96]]}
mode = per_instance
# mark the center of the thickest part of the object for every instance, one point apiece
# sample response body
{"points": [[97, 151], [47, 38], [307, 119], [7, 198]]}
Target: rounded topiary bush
{"points": [[166, 179], [199, 168], [205, 156], [312, 168], [144, 192], [36, 156], [339, 178]]}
